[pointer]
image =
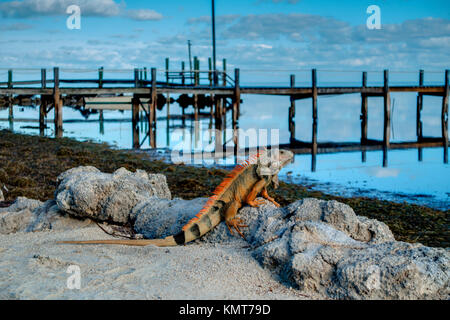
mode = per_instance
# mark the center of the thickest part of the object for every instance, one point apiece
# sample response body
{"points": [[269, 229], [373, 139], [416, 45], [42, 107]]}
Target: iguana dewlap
{"points": [[244, 183]]}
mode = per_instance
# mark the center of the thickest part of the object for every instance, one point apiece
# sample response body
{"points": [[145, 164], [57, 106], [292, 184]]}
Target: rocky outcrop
{"points": [[320, 246], [50, 217], [323, 246], [87, 192], [28, 215], [18, 216]]}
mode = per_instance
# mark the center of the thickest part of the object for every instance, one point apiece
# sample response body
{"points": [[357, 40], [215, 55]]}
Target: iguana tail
{"points": [[166, 242]]}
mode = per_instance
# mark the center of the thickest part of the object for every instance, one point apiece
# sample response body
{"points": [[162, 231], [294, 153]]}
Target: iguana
{"points": [[241, 185]]}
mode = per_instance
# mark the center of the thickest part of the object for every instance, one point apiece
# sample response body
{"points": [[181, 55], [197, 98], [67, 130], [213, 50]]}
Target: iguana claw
{"points": [[236, 223], [256, 203]]}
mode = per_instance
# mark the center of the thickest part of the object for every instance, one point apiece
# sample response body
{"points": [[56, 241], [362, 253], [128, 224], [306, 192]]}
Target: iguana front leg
{"points": [[265, 195], [257, 187], [230, 219]]}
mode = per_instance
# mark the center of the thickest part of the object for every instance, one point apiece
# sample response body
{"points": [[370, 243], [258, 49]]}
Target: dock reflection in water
{"points": [[412, 168]]}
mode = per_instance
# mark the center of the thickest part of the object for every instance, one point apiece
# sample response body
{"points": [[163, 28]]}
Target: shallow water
{"points": [[404, 179]]}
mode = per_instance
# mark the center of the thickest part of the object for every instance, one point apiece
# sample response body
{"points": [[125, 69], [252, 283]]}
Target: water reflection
{"points": [[419, 171]]}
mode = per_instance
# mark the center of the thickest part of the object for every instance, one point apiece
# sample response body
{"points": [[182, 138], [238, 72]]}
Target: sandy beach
{"points": [[33, 266]]}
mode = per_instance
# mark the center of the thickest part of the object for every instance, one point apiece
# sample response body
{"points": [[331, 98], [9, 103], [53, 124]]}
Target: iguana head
{"points": [[270, 162]]}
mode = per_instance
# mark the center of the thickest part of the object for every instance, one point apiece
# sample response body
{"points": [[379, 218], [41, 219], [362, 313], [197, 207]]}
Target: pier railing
{"points": [[139, 78], [253, 79]]}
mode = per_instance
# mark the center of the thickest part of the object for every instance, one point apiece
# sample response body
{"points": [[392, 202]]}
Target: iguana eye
{"points": [[275, 164]]}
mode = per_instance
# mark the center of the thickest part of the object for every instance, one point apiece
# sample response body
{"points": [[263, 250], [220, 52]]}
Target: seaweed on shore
{"points": [[30, 164]]}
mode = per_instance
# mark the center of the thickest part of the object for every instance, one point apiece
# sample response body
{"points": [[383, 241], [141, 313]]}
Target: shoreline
{"points": [[342, 190], [30, 164]]}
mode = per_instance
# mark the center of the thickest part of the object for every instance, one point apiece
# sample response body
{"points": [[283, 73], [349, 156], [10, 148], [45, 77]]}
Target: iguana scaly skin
{"points": [[240, 187]]}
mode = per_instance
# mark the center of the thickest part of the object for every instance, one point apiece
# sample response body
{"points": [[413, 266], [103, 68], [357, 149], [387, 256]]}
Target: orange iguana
{"points": [[242, 185]]}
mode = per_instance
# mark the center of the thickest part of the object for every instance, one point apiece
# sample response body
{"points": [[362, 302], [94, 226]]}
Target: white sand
{"points": [[33, 266]]}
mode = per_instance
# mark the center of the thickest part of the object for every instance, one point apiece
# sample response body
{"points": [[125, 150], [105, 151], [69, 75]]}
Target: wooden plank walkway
{"points": [[302, 92]]}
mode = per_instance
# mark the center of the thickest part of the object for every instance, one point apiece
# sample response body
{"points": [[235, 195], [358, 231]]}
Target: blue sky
{"points": [[253, 34]]}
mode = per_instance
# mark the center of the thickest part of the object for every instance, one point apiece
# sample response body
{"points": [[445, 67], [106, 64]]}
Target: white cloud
{"points": [[144, 15], [220, 20], [32, 8], [319, 29], [263, 46], [100, 8], [15, 27], [280, 41]]}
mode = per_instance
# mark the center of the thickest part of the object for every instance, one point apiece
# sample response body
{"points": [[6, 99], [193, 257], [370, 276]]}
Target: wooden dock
{"points": [[141, 96]]}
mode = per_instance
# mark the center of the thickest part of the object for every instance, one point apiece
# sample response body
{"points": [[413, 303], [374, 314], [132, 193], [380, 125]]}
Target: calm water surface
{"points": [[405, 178]]}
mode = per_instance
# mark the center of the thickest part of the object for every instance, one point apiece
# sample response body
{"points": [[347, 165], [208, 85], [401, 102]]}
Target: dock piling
{"points": [[167, 70], [10, 109], [136, 78], [10, 79], [182, 74], [57, 104], [196, 122], [135, 105], [43, 78], [101, 123], [364, 109], [292, 112], [314, 115], [100, 77], [444, 116], [210, 78], [152, 111], [364, 115], [183, 82], [419, 126], [219, 104], [168, 94], [195, 70], [235, 111], [43, 105], [387, 116], [196, 83], [224, 75], [10, 102]]}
